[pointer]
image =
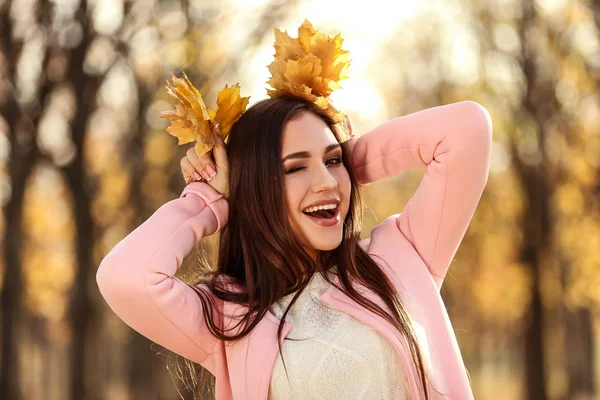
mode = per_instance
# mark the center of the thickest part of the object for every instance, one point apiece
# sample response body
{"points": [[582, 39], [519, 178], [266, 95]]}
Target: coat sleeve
{"points": [[137, 278], [453, 142]]}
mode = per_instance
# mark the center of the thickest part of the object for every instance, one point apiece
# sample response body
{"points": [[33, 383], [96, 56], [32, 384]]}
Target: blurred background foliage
{"points": [[84, 159]]}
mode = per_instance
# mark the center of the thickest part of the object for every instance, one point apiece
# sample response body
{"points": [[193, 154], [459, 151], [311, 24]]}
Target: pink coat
{"points": [[414, 248]]}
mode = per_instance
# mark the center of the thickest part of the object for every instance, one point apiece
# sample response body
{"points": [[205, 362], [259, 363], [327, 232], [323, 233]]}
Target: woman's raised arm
{"points": [[137, 277], [454, 142]]}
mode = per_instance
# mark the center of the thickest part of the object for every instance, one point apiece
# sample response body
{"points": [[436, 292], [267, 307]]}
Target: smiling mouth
{"points": [[324, 217]]}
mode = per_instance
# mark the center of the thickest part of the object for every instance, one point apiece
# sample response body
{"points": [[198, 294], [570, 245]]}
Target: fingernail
{"points": [[197, 175], [211, 171], [205, 175]]}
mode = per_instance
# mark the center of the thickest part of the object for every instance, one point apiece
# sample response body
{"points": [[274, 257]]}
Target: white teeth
{"points": [[325, 207]]}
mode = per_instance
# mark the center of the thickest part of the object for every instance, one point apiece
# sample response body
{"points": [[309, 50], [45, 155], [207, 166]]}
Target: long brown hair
{"points": [[258, 249]]}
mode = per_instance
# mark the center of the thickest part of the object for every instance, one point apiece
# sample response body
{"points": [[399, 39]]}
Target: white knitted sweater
{"points": [[340, 358]]}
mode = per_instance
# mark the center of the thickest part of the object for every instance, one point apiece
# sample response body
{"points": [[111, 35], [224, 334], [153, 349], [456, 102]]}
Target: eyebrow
{"points": [[306, 154]]}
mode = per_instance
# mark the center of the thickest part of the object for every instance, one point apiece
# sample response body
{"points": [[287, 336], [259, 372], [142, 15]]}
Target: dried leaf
{"points": [[230, 106], [286, 47], [309, 67], [192, 121]]}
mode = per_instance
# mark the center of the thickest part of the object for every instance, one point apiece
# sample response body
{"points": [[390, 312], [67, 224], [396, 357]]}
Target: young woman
{"points": [[299, 307]]}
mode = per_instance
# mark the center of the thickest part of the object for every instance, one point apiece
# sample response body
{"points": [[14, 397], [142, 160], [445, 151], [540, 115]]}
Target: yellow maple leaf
{"points": [[286, 47], [192, 121], [309, 67], [305, 34], [230, 106]]}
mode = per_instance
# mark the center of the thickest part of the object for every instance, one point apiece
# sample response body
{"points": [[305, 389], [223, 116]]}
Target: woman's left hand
{"points": [[215, 173]]}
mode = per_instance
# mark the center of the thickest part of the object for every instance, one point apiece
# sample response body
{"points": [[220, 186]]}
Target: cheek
{"points": [[343, 179], [294, 192]]}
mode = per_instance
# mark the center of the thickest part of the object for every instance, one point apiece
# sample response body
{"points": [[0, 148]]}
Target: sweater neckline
{"points": [[317, 285]]}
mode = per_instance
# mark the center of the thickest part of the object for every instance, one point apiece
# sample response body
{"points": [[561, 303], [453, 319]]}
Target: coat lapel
{"points": [[252, 359], [340, 300]]}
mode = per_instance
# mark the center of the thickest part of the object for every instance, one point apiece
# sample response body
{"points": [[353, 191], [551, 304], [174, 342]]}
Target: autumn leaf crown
{"points": [[309, 67]]}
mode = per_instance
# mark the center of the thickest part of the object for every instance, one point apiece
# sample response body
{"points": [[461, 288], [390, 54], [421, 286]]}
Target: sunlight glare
{"points": [[365, 29]]}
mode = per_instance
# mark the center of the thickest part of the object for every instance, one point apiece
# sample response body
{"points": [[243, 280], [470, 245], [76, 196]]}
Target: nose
{"points": [[323, 180]]}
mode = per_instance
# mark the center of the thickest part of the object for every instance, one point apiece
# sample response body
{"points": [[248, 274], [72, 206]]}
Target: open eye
{"points": [[336, 159]]}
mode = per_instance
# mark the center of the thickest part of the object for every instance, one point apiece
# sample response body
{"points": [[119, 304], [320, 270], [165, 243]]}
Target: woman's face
{"points": [[314, 172]]}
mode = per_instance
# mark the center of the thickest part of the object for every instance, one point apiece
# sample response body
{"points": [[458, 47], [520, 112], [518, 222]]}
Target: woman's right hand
{"points": [[216, 172]]}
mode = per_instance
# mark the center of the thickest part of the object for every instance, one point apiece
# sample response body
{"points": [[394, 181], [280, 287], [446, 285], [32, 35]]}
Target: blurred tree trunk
{"points": [[581, 364], [142, 361], [18, 173], [579, 348], [536, 187], [534, 226], [23, 156], [81, 312], [20, 165], [578, 320]]}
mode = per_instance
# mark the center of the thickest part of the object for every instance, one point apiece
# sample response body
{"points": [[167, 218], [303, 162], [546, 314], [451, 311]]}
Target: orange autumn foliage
{"points": [[193, 121]]}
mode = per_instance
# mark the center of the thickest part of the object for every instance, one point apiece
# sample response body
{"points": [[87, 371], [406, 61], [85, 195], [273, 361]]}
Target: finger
{"points": [[199, 163], [188, 171], [203, 164], [220, 153], [219, 142]]}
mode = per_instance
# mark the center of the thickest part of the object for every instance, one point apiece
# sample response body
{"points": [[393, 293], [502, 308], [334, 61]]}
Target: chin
{"points": [[327, 245], [319, 237]]}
